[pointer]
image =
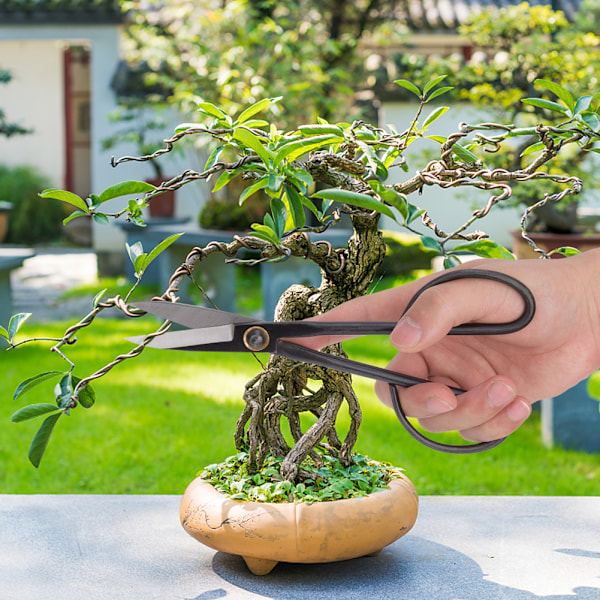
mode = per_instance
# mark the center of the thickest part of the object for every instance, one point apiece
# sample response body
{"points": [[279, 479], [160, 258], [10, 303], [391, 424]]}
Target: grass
{"points": [[161, 418]]}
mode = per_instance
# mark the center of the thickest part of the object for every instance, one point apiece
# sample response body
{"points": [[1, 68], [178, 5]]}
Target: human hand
{"points": [[503, 375]]}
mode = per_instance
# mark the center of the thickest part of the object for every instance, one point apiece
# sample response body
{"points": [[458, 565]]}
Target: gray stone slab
{"points": [[461, 548]]}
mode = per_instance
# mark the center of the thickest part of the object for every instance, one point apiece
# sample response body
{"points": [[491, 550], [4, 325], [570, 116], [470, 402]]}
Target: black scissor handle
{"points": [[485, 328], [468, 329]]}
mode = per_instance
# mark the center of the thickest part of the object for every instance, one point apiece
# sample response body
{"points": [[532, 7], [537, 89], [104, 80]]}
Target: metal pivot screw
{"points": [[256, 338]]}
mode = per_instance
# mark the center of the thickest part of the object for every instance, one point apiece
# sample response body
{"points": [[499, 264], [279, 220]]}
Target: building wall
{"points": [[34, 99]]}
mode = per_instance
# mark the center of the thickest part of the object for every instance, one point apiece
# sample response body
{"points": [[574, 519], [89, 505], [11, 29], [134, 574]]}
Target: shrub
{"points": [[32, 220]]}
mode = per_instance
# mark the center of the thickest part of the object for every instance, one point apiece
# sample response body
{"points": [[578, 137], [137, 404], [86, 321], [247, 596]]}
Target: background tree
{"points": [[245, 50], [8, 129], [512, 48]]}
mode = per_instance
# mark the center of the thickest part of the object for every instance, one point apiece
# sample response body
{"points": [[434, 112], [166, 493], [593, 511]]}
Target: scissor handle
{"points": [[468, 329], [485, 328]]}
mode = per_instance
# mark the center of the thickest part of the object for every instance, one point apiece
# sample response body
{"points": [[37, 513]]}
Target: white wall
{"points": [[34, 99]]}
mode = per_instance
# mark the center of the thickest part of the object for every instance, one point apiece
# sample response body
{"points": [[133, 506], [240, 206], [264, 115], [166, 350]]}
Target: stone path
{"points": [[40, 283]]}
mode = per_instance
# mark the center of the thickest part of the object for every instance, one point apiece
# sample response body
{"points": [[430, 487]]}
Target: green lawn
{"points": [[159, 419]]}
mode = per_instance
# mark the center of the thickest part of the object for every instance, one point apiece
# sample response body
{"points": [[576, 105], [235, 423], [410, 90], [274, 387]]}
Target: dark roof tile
{"points": [[60, 11]]}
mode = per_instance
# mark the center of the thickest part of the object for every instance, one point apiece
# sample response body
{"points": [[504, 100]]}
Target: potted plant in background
{"points": [[144, 129], [351, 162]]}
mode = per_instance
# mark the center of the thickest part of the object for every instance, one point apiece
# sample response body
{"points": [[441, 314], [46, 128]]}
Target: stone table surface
{"points": [[462, 548]]}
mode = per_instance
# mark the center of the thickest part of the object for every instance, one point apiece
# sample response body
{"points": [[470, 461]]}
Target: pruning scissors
{"points": [[212, 330]]}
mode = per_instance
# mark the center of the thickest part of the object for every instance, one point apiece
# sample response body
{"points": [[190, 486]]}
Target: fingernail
{"points": [[518, 411], [500, 394], [437, 406], [407, 333]]}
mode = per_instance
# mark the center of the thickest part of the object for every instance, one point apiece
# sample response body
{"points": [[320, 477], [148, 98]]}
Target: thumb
{"points": [[440, 308]]}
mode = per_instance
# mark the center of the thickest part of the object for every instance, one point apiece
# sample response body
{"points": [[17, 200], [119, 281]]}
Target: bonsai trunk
{"points": [[286, 388]]}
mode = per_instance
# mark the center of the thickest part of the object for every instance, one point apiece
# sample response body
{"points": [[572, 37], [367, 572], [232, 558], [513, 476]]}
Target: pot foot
{"points": [[259, 566], [376, 553]]}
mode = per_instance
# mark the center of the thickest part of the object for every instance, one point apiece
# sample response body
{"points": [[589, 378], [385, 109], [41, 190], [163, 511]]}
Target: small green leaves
{"points": [[32, 382], [42, 437], [67, 197], [140, 260], [331, 480], [428, 92], [249, 140], [256, 108], [14, 324], [294, 149], [484, 248], [32, 411], [125, 188]]}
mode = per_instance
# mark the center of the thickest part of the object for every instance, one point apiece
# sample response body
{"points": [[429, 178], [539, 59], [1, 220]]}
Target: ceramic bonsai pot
{"points": [[267, 533]]}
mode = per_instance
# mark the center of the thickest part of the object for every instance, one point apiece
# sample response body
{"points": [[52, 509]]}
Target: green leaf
{"points": [[414, 212], [303, 179], [262, 183], [30, 383], [320, 129], [355, 199], [68, 197], [15, 323], [565, 251], [451, 261], [224, 179], [485, 249], [3, 333], [139, 265], [100, 218], [125, 188], [438, 92], [559, 91], [275, 182], [256, 108], [433, 116], [210, 109], [32, 411], [591, 120], [86, 396], [74, 215], [279, 214], [42, 437], [266, 232], [547, 104], [431, 244], [582, 104], [161, 247], [249, 140], [408, 85], [134, 251], [295, 205], [433, 82], [214, 156], [63, 391], [533, 148], [292, 150], [465, 154], [98, 297]]}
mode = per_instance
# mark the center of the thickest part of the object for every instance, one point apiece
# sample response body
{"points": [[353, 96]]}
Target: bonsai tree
{"points": [[349, 163]]}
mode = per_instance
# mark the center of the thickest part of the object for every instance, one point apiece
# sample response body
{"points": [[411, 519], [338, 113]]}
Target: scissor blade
{"points": [[191, 316], [187, 338]]}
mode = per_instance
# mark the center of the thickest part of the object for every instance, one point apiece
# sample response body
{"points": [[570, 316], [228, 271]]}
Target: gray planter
{"points": [[572, 420]]}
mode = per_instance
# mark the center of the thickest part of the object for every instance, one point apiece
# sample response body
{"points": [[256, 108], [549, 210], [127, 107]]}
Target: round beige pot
{"points": [[265, 534]]}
